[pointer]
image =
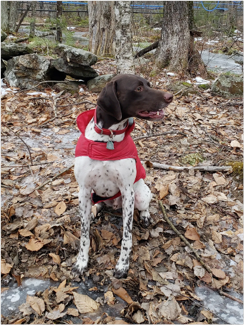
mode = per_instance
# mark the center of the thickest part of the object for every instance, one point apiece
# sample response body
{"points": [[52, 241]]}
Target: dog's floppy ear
{"points": [[108, 100]]}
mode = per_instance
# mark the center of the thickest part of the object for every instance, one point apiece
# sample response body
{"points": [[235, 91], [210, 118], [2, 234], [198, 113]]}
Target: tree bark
{"points": [[101, 27], [33, 20], [175, 39], [123, 37], [4, 15], [59, 17], [176, 49]]}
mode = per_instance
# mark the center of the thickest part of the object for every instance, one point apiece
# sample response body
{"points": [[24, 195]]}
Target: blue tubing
{"points": [[210, 9]]}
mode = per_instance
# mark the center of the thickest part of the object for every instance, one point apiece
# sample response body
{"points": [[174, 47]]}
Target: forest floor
{"points": [[41, 227]]}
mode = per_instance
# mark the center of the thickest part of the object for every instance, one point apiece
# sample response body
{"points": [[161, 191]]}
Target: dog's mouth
{"points": [[155, 115]]}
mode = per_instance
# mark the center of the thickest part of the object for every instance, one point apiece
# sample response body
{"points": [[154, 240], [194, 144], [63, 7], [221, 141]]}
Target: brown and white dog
{"points": [[107, 163]]}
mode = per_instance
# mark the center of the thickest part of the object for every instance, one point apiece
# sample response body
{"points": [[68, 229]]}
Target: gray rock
{"points": [[25, 70], [97, 84], [70, 87], [75, 56], [9, 50], [76, 71], [228, 86], [3, 35], [3, 67]]}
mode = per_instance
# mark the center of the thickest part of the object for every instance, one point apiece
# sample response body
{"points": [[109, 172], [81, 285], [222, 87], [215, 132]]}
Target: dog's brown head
{"points": [[128, 95]]}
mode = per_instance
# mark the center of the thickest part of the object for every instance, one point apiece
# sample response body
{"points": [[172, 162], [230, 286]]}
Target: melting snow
{"points": [[228, 310]]}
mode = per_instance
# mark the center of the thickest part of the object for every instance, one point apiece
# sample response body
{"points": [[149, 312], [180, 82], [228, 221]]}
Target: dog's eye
{"points": [[139, 88]]}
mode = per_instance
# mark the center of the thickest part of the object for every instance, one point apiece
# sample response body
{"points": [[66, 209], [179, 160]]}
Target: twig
{"points": [[55, 99], [183, 238], [50, 180], [13, 166], [51, 119], [158, 135], [84, 101], [201, 168], [230, 297], [43, 82]]}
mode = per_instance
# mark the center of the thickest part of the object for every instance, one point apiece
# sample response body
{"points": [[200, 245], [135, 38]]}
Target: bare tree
{"points": [[123, 37], [33, 20], [176, 47], [4, 15], [101, 27], [59, 17]]}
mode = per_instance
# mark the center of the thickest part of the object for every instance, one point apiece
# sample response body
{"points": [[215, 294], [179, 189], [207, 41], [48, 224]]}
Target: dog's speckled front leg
{"points": [[85, 215], [123, 263]]}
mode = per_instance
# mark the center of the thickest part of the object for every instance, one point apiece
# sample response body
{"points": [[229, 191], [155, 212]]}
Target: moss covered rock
{"points": [[228, 86]]}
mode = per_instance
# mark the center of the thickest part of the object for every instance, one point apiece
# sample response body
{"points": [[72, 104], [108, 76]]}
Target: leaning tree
{"points": [[176, 49]]}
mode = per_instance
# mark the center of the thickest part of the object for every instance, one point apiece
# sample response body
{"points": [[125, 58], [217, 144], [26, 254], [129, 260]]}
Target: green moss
{"points": [[153, 73], [205, 86], [237, 167], [187, 84], [192, 159]]}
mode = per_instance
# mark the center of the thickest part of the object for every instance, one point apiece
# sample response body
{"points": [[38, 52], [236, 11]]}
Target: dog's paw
{"points": [[145, 218], [78, 269], [120, 273]]}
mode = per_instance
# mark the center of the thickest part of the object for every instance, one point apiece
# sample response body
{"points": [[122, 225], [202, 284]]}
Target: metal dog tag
{"points": [[131, 120], [110, 145]]}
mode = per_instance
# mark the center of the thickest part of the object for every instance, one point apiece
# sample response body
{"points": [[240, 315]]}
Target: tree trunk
{"points": [[101, 27], [4, 15], [174, 44], [123, 37], [33, 20], [59, 17], [13, 15], [22, 18]]}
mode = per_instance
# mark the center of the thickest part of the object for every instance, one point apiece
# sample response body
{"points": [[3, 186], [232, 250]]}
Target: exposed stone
{"points": [[70, 87], [3, 35], [97, 84], [10, 50], [75, 56], [75, 71], [185, 88], [228, 86], [22, 71]]}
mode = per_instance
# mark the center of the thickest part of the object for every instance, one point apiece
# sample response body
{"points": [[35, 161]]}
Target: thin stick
{"points": [[230, 297], [183, 238], [201, 168], [158, 135], [13, 166], [50, 180]]}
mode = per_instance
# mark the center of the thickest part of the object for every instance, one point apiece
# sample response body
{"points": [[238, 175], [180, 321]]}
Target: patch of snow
{"points": [[198, 39], [171, 74], [157, 28], [210, 42], [201, 81], [70, 28], [2, 83], [229, 311], [36, 93], [81, 90], [33, 282]]}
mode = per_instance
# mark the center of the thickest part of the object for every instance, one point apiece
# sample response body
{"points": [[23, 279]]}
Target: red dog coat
{"points": [[98, 150]]}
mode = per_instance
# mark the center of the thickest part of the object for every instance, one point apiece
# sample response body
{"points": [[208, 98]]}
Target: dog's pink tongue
{"points": [[154, 114]]}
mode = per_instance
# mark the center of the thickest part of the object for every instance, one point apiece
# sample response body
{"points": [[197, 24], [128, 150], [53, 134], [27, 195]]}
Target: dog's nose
{"points": [[168, 97]]}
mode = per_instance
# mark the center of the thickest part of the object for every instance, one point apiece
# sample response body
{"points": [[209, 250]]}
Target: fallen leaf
{"points": [[192, 234], [210, 199], [219, 179], [56, 258], [5, 267], [235, 144], [219, 273], [72, 312], [109, 298], [207, 314], [123, 294], [107, 235], [84, 303], [54, 314], [217, 237], [219, 283], [138, 317], [25, 232], [60, 208], [36, 303], [199, 271], [20, 321], [164, 191], [169, 309], [34, 245]]}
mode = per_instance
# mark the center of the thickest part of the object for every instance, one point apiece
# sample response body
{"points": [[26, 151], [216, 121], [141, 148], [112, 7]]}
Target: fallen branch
{"points": [[230, 297], [158, 135], [13, 166], [201, 168], [183, 238], [55, 99], [147, 49], [44, 82], [50, 180]]}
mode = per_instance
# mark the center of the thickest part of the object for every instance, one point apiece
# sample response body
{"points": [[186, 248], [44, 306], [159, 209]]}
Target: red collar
{"points": [[110, 132]]}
